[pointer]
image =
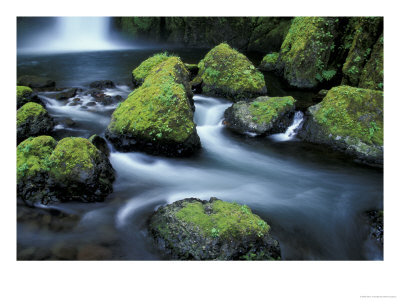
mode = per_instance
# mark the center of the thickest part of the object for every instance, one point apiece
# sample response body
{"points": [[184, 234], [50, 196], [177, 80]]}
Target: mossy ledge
{"points": [[157, 117], [348, 119], [227, 73], [263, 116], [141, 72], [33, 120], [72, 169], [194, 229]]}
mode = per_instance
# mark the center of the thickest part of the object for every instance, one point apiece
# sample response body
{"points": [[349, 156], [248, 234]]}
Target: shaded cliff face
{"points": [[260, 34]]}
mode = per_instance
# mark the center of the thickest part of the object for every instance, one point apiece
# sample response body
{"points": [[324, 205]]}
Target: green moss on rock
{"points": [[159, 112], [372, 74], [350, 119], [23, 91], [196, 229], [33, 156], [270, 61], [266, 110], [228, 73], [140, 73], [72, 156], [306, 50], [365, 32], [30, 110]]}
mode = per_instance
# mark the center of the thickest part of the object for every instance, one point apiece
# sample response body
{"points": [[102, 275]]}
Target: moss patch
{"points": [[140, 73], [355, 112], [71, 156], [159, 109], [226, 72], [223, 219], [33, 155], [23, 91], [264, 112], [30, 110], [372, 74]]}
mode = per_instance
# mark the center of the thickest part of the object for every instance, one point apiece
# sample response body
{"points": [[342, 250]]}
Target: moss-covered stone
{"points": [[306, 50], [365, 32], [33, 120], [264, 115], [72, 169], [204, 230], [228, 73], [349, 119], [141, 72], [23, 95], [270, 62], [158, 116], [372, 74]]}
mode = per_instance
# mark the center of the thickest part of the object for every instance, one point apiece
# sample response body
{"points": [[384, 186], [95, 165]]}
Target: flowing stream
{"points": [[313, 198]]}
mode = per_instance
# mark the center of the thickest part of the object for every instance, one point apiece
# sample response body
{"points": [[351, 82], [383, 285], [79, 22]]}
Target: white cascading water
{"points": [[292, 130], [74, 34]]}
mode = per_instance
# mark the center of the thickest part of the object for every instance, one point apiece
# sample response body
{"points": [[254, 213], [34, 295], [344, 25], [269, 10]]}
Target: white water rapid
{"points": [[292, 130]]}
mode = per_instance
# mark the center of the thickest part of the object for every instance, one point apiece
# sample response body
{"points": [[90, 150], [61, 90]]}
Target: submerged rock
{"points": [[36, 82], [348, 119], [65, 94], [140, 73], [264, 115], [375, 219], [226, 72], [72, 169], [33, 120], [102, 84], [157, 117], [212, 230]]}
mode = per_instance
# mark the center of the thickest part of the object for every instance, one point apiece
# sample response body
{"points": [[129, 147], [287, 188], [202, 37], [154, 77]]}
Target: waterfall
{"points": [[73, 34], [292, 130]]}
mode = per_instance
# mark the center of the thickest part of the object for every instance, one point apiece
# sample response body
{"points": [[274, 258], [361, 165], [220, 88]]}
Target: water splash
{"points": [[292, 130]]}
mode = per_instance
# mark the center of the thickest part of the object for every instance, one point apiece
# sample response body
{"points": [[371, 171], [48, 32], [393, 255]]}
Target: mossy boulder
{"points": [[305, 52], [33, 120], [270, 62], [264, 115], [72, 169], [25, 95], [193, 229], [348, 119], [36, 82], [157, 117], [372, 74], [365, 32], [227, 73], [141, 72]]}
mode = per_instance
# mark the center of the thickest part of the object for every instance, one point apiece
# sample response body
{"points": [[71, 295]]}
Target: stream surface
{"points": [[313, 198]]}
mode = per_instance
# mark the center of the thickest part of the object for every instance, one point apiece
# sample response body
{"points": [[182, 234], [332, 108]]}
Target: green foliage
{"points": [[354, 112], [30, 110], [225, 219], [265, 111]]}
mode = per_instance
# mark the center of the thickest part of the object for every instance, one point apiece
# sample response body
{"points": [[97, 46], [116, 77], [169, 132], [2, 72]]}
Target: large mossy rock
{"points": [[33, 120], [192, 229], [349, 119], [25, 95], [72, 169], [36, 82], [264, 115], [157, 117], [141, 72], [365, 32], [306, 51], [372, 74], [227, 73]]}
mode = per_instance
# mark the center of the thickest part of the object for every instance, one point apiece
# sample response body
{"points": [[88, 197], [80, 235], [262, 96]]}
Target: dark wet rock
{"points": [[71, 170], [193, 229], [25, 95], [350, 120], [36, 82], [100, 144], [64, 251], [65, 94], [94, 252], [92, 103], [264, 115], [83, 107], [68, 122], [193, 70], [157, 117], [73, 103], [33, 120], [102, 84], [76, 100], [33, 253], [375, 220], [320, 96]]}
